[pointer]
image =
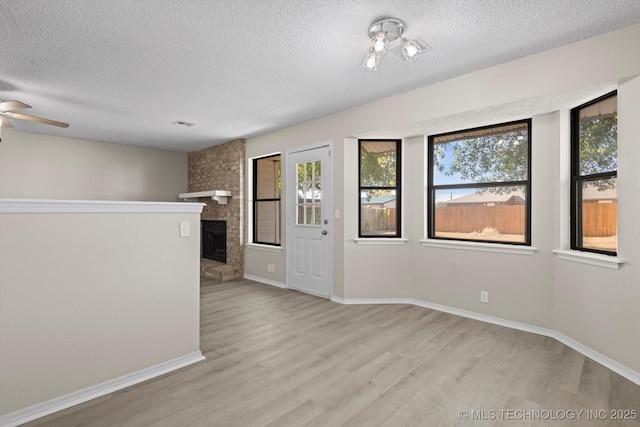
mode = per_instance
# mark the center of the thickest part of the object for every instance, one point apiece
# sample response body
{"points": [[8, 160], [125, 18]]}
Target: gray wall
{"points": [[38, 166], [594, 306], [89, 297]]}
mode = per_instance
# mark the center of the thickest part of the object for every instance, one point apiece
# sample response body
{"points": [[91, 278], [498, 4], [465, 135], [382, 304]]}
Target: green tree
{"points": [[496, 157], [503, 156], [377, 169], [598, 145]]}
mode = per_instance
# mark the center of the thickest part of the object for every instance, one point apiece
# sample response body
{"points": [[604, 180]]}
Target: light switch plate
{"points": [[184, 229]]}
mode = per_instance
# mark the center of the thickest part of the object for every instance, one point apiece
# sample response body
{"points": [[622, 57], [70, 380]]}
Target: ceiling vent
{"points": [[183, 123]]}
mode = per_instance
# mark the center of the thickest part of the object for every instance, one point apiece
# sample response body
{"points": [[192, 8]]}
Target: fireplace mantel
{"points": [[219, 196]]}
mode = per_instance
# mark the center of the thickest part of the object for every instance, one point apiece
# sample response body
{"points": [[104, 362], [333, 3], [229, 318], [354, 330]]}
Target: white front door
{"points": [[309, 222]]}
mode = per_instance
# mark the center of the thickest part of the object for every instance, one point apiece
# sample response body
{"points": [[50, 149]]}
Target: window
{"points": [[309, 193], [267, 186], [479, 184], [594, 164], [379, 184]]}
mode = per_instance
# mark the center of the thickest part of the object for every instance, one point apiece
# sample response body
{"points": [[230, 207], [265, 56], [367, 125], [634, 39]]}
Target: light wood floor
{"points": [[283, 358]]}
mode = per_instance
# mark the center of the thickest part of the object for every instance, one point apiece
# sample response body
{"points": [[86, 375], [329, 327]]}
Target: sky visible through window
{"points": [[440, 178]]}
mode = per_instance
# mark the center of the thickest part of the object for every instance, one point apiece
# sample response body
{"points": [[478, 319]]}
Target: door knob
{"points": [[323, 232]]}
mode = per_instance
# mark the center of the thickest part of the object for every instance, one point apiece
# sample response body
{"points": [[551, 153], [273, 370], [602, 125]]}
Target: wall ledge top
{"points": [[219, 196], [599, 260], [15, 206]]}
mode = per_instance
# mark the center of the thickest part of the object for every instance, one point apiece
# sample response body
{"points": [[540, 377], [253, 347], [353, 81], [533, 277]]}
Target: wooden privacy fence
{"points": [[598, 219], [378, 219], [507, 219]]}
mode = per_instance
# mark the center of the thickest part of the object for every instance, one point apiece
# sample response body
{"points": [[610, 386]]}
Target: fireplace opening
{"points": [[214, 240]]}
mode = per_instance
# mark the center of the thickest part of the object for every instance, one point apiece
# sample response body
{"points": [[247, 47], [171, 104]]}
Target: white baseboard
{"points": [[307, 291], [281, 285], [265, 281], [485, 318], [339, 300], [605, 361], [616, 367], [75, 398]]}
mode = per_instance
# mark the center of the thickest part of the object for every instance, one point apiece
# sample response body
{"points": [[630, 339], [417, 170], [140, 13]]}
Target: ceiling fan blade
{"points": [[38, 119], [13, 105], [5, 123]]}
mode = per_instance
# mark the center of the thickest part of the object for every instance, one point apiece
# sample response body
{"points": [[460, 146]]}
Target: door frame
{"points": [[290, 222]]}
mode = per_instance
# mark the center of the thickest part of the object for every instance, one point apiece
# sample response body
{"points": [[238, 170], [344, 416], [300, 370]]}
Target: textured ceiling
{"points": [[124, 71]]}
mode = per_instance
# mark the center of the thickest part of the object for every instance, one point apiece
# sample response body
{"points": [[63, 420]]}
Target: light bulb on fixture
{"points": [[411, 49], [379, 43], [371, 60]]}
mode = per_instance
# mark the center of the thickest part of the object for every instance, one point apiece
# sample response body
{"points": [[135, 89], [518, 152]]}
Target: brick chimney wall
{"points": [[222, 167]]}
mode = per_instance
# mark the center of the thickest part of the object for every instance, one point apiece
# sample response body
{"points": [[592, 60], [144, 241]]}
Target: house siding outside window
{"points": [[267, 186]]}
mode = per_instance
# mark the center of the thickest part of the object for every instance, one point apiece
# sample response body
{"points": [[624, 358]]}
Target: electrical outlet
{"points": [[271, 268], [484, 297]]}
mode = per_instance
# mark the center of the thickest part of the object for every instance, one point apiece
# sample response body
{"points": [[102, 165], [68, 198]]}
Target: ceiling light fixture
{"points": [[383, 33]]}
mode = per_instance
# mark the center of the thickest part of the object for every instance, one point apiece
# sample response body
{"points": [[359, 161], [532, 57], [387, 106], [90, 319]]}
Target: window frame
{"points": [[577, 179], [431, 188], [256, 200], [397, 188]]}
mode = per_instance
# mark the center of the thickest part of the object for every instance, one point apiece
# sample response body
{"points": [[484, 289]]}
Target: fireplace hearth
{"points": [[214, 240]]}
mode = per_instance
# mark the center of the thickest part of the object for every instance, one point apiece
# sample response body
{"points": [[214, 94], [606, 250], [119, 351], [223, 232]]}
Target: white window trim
{"points": [[381, 241], [598, 260], [479, 246]]}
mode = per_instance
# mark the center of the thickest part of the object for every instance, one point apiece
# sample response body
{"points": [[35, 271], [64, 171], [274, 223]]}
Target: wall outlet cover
{"points": [[484, 297]]}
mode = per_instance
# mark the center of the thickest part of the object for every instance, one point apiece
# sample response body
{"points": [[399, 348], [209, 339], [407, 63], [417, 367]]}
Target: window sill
{"points": [[267, 248], [479, 246], [599, 260], [380, 241]]}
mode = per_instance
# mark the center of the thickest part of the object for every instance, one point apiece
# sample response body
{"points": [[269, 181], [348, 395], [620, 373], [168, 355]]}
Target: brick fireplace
{"points": [[221, 167]]}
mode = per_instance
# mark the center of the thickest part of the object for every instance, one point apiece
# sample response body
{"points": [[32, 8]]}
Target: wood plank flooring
{"points": [[283, 358]]}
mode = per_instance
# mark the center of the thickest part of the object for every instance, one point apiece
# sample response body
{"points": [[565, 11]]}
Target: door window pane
{"points": [[309, 193]]}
